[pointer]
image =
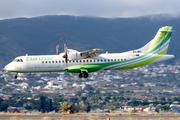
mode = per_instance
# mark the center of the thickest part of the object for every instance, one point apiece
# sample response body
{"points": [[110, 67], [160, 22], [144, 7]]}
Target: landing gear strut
{"points": [[83, 74], [15, 77]]}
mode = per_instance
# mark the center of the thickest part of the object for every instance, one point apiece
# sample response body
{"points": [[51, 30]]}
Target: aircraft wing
{"points": [[91, 53]]}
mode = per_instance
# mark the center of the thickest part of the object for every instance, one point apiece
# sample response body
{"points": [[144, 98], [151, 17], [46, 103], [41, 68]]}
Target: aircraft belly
{"points": [[89, 68]]}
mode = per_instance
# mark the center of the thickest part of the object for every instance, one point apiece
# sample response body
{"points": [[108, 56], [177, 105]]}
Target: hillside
{"points": [[40, 35]]}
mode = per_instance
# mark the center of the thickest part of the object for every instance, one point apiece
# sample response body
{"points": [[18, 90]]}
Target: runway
{"points": [[92, 117]]}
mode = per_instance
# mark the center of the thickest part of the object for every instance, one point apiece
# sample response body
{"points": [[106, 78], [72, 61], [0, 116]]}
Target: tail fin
{"points": [[160, 42]]}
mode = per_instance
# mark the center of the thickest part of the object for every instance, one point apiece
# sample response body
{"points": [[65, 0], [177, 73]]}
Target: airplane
{"points": [[73, 61]]}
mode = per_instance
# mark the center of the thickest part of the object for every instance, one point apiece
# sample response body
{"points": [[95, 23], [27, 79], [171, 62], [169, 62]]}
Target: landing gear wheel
{"points": [[15, 77], [80, 75], [85, 75]]}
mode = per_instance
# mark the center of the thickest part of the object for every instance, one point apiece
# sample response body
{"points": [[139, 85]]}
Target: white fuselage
{"points": [[56, 63]]}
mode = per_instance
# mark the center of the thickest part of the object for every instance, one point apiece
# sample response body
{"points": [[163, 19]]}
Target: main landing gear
{"points": [[83, 74]]}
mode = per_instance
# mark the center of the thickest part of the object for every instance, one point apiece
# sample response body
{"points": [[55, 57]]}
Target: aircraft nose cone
{"points": [[6, 67]]}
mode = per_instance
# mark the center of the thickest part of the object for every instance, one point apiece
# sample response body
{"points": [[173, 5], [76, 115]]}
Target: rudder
{"points": [[160, 42]]}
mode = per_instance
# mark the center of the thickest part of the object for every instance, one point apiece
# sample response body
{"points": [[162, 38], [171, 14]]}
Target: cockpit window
{"points": [[17, 60]]}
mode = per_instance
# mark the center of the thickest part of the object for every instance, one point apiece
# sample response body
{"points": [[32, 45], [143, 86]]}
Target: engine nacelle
{"points": [[74, 56]]}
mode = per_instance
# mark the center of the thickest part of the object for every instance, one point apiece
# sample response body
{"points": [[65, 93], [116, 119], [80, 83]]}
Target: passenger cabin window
{"points": [[108, 60], [59, 61], [49, 61], [87, 61], [52, 61], [83, 60], [104, 60], [97, 60], [46, 61], [63, 61], [90, 60], [101, 60], [42, 61], [56, 62]]}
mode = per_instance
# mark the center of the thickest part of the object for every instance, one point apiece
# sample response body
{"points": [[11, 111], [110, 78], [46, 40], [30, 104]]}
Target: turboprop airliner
{"points": [[73, 61]]}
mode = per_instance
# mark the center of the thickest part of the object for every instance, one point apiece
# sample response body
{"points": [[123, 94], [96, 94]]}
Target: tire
{"points": [[15, 77], [85, 75], [80, 75]]}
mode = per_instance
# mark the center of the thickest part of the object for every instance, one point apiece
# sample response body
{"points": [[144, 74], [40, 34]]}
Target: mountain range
{"points": [[40, 35]]}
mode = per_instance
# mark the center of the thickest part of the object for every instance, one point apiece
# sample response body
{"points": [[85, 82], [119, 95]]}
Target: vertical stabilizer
{"points": [[160, 42]]}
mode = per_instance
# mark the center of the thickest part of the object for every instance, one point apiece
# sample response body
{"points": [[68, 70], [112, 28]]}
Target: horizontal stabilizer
{"points": [[167, 30]]}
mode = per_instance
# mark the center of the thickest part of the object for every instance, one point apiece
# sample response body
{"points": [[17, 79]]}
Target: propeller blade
{"points": [[57, 49], [64, 48], [65, 54]]}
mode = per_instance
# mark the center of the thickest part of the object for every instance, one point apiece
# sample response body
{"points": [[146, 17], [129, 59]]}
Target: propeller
{"points": [[57, 49], [65, 53]]}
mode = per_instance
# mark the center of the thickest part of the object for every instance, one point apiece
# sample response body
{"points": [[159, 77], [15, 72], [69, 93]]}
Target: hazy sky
{"points": [[98, 8]]}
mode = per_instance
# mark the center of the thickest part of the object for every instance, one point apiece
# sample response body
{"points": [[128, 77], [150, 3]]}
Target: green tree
{"points": [[113, 98], [162, 99], [42, 105], [165, 107], [66, 106], [149, 90], [121, 98], [133, 99], [157, 108], [50, 105], [88, 108], [134, 103], [154, 98], [174, 98], [151, 105], [85, 106], [104, 98], [88, 87]]}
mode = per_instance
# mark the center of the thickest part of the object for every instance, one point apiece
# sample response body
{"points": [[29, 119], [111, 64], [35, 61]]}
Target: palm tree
{"points": [[151, 105], [66, 106]]}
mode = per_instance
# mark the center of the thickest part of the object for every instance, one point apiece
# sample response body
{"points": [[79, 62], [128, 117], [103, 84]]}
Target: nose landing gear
{"points": [[15, 76]]}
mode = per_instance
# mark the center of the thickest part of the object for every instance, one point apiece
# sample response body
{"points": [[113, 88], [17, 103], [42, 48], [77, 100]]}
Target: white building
{"points": [[50, 84], [149, 85], [150, 110]]}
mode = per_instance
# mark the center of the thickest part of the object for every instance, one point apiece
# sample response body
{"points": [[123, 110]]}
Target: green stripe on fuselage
{"points": [[142, 63]]}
